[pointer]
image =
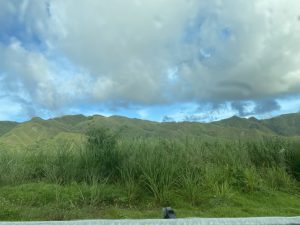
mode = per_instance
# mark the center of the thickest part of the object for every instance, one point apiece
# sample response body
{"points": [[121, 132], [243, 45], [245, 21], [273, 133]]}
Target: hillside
{"points": [[286, 125], [6, 126], [20, 135], [248, 124]]}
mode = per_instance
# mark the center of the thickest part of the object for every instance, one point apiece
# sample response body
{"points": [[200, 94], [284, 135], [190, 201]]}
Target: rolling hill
{"points": [[6, 126], [286, 125], [21, 135]]}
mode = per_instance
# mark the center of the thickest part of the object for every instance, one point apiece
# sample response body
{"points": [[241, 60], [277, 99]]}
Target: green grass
{"points": [[42, 201], [110, 176]]}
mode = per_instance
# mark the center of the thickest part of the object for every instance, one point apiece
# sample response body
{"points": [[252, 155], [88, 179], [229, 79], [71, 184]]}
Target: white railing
{"points": [[188, 221]]}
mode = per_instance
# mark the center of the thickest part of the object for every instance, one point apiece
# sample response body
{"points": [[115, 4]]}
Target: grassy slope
{"points": [[35, 130], [41, 201], [287, 125], [6, 126], [249, 124]]}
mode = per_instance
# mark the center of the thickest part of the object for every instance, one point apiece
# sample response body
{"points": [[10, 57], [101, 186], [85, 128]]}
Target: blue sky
{"points": [[171, 60]]}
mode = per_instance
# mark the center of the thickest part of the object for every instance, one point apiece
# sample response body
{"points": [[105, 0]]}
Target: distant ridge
{"points": [[21, 135], [6, 126]]}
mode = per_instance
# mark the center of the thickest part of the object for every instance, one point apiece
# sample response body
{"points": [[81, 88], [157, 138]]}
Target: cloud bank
{"points": [[58, 54]]}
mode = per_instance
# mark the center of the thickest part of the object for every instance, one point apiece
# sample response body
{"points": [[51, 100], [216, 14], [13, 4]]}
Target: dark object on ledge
{"points": [[168, 213]]}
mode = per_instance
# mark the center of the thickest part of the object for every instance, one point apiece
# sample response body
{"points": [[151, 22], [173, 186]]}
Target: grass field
{"points": [[112, 177], [42, 201]]}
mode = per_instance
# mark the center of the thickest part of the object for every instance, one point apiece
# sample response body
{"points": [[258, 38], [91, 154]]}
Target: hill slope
{"points": [[286, 125], [6, 126], [20, 135]]}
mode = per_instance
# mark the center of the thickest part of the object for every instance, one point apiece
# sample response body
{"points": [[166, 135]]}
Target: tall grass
{"points": [[161, 169]]}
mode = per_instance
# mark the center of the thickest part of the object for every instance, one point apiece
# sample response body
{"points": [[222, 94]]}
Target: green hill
{"points": [[286, 125], [20, 135], [6, 126], [33, 131], [247, 124]]}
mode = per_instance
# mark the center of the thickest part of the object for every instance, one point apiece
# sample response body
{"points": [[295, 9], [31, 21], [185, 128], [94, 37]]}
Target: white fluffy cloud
{"points": [[149, 52], [125, 45], [32, 81], [223, 50]]}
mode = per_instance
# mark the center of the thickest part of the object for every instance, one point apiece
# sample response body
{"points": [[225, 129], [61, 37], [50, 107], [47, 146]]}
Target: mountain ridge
{"points": [[21, 135]]}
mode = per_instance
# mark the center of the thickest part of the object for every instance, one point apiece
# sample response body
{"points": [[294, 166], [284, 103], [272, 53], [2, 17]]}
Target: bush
{"points": [[101, 157], [293, 160]]}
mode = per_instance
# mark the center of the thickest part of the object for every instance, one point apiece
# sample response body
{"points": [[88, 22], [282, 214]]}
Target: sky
{"points": [[161, 60]]}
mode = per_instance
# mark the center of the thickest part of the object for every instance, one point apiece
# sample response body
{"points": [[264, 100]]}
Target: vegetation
{"points": [[109, 175], [6, 126], [14, 136]]}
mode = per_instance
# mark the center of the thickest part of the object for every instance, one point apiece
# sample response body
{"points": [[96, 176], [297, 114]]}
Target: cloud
{"points": [[32, 81], [168, 119], [59, 54], [241, 108], [125, 45], [219, 53], [259, 108], [266, 107], [25, 75]]}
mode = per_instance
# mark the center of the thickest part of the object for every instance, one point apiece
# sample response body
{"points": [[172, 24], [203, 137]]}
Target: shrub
{"points": [[293, 159], [101, 158]]}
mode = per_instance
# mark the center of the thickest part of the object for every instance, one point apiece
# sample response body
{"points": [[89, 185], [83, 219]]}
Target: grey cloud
{"points": [[241, 108], [167, 119], [266, 106], [29, 79], [233, 89], [26, 73], [261, 107], [18, 19], [122, 51]]}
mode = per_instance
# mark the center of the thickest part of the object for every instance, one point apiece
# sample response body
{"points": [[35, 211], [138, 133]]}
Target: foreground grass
{"points": [[112, 177], [42, 201]]}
